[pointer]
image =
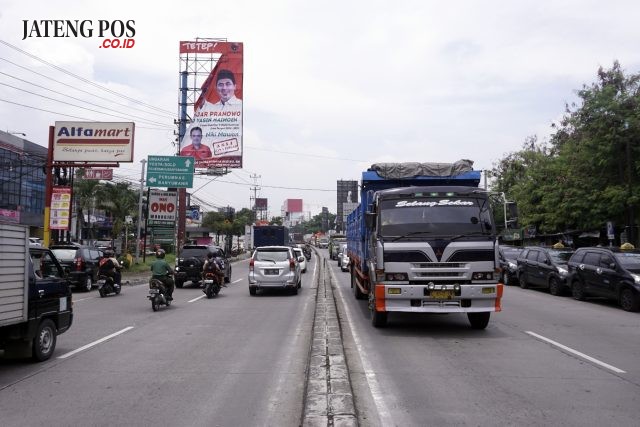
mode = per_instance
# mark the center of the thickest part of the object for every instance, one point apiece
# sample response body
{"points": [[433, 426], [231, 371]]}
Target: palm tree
{"points": [[119, 200], [84, 193]]}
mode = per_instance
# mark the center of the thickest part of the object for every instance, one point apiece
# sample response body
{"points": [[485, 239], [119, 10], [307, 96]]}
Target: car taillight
{"points": [[251, 267], [79, 264], [292, 264]]}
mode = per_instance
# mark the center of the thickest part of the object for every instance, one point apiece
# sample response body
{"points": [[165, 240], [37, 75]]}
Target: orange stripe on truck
{"points": [[380, 298], [499, 292]]}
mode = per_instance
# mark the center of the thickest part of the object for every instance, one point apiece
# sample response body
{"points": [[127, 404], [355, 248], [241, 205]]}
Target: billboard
{"points": [[93, 142], [214, 137], [293, 205], [347, 194], [162, 208], [261, 204], [60, 208]]}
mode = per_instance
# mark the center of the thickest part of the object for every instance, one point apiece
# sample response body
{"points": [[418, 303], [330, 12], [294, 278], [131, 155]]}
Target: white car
{"points": [[301, 259], [344, 261], [35, 241]]}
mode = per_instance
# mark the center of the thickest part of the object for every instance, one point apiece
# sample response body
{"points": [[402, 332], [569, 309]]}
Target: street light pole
{"points": [[143, 161]]}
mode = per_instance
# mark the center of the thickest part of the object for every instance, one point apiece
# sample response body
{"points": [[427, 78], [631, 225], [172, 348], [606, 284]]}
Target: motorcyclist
{"points": [[211, 265], [109, 266], [162, 271]]}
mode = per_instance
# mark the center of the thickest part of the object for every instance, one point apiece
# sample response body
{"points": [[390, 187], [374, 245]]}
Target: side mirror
{"points": [[370, 220]]}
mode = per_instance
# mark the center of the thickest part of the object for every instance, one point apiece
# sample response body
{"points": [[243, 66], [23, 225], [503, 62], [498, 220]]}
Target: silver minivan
{"points": [[274, 267]]}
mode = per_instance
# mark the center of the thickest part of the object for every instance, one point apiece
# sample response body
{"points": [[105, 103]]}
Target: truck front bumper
{"points": [[420, 299]]}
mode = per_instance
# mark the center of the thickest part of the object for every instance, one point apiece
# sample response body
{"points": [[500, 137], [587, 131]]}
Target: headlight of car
{"points": [[636, 278], [513, 266], [562, 271]]}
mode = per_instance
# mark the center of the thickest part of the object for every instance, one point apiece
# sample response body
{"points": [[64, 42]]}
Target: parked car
{"points": [[606, 272], [81, 263], [35, 241], [509, 263], [191, 260], [300, 258], [274, 267], [544, 268]]}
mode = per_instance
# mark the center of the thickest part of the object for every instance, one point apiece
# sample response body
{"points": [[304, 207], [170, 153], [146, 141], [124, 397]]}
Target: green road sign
{"points": [[170, 171]]}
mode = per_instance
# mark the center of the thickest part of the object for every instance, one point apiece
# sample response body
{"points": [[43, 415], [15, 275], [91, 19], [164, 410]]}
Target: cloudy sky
{"points": [[329, 87]]}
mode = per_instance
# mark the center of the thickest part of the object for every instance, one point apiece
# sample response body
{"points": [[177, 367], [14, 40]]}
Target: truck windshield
{"points": [[435, 217]]}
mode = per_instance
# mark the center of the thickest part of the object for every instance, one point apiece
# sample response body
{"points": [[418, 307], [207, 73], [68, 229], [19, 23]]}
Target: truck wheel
{"points": [[357, 292], [378, 318], [479, 320], [44, 343]]}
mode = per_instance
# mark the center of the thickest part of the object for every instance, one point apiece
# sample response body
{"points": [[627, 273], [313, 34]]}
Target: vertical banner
{"points": [[60, 208], [214, 137]]}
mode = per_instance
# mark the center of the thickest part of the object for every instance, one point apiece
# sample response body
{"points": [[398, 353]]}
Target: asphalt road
{"points": [[435, 370], [230, 361], [238, 360]]}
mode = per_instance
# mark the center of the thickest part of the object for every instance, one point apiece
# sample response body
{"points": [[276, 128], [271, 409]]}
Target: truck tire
{"points": [[356, 290], [479, 320], [44, 343], [378, 318]]}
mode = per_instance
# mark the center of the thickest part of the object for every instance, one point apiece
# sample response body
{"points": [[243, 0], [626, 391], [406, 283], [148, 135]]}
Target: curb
{"points": [[328, 396]]}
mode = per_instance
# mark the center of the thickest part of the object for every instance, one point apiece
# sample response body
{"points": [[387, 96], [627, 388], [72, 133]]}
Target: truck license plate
{"points": [[441, 294]]}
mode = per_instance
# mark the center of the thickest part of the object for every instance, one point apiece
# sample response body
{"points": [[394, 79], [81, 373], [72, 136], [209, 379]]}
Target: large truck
{"points": [[270, 235], [423, 240], [35, 299]]}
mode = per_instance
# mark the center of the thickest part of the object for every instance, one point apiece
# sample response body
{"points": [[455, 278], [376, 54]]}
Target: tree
{"points": [[84, 193], [119, 201]]}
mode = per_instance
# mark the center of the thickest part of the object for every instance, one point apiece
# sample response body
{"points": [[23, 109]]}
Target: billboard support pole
{"points": [[182, 192], [48, 189]]}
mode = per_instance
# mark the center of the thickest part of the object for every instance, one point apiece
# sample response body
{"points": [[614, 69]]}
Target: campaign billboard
{"points": [[93, 142], [214, 137]]}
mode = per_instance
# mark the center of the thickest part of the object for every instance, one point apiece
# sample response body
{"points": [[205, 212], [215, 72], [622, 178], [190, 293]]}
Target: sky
{"points": [[329, 87]]}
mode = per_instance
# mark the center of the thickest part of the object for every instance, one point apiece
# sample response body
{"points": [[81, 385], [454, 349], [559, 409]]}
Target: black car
{"points": [[509, 263], [192, 257], [544, 268], [606, 272], [81, 262]]}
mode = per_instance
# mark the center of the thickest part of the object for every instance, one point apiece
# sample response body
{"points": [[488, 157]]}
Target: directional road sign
{"points": [[170, 171]]}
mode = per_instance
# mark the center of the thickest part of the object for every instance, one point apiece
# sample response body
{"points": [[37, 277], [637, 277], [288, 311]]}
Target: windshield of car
{"points": [[298, 252], [511, 253], [271, 255], [560, 257], [435, 216], [629, 260], [65, 254]]}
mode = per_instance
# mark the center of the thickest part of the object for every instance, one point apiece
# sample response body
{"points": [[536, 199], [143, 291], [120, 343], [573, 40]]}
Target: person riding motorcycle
{"points": [[212, 266], [162, 271], [109, 266]]}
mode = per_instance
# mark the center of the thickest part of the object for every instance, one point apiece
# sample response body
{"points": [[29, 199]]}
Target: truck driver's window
{"points": [[48, 267]]}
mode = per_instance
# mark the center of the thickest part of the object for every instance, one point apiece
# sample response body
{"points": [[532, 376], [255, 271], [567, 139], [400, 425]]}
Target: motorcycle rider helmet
{"points": [[160, 253], [210, 255], [108, 253]]}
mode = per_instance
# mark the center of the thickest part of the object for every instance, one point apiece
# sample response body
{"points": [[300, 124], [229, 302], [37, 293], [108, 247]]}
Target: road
{"points": [[241, 360], [232, 360], [435, 370]]}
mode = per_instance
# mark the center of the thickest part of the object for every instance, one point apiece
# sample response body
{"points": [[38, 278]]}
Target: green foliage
{"points": [[588, 173]]}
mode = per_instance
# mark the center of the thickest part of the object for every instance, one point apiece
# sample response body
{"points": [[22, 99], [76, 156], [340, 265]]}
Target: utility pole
{"points": [[144, 162], [255, 189]]}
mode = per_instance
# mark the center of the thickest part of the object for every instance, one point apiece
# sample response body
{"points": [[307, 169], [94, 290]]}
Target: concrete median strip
{"points": [[329, 397]]}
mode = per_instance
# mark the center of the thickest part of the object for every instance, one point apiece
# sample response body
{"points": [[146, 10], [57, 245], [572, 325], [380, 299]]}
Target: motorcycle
{"points": [[211, 284], [158, 294], [107, 285]]}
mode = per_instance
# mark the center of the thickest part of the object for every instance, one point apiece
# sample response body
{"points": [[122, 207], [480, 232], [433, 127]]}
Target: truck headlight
{"points": [[482, 275], [396, 277]]}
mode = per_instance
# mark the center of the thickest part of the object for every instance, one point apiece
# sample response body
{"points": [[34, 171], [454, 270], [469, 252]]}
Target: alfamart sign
{"points": [[93, 142]]}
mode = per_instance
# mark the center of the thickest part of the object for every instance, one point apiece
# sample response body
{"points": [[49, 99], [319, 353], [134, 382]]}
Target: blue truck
{"points": [[270, 235], [423, 240]]}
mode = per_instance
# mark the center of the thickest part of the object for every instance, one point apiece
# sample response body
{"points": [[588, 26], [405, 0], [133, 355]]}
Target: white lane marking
{"points": [[236, 281], [577, 353], [374, 386], [84, 347], [196, 299], [84, 299]]}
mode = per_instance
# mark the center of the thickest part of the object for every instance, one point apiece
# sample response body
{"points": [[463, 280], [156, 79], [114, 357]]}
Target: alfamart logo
{"points": [[116, 34]]}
